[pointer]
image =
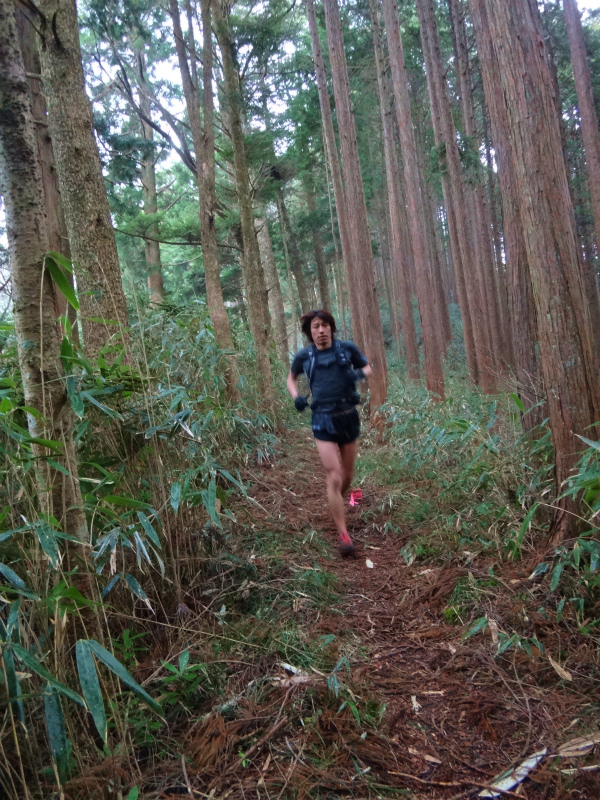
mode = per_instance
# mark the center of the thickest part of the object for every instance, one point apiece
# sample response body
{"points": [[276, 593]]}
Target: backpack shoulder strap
{"points": [[312, 360]]}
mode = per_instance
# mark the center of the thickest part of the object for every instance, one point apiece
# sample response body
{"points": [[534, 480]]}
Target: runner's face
{"points": [[321, 333]]}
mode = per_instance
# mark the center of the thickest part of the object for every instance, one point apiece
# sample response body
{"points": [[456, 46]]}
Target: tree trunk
{"points": [[461, 227], [295, 260], [317, 244], [148, 170], [58, 240], [356, 206], [476, 197], [568, 345], [87, 215], [273, 289], [591, 137], [350, 263], [203, 139], [397, 250], [432, 343], [33, 289], [521, 309], [256, 290]]}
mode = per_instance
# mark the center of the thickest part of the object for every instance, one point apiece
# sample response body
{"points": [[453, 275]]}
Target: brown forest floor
{"points": [[455, 714]]}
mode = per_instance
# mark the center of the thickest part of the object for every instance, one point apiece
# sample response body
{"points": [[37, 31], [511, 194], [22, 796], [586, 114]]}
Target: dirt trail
{"points": [[456, 715]]}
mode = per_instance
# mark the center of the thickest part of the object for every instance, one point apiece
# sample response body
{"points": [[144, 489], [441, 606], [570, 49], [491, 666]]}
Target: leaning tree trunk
{"points": [[591, 136], [276, 307], [422, 259], [398, 248], [33, 290], [204, 149], [568, 345], [91, 235], [356, 206], [317, 244], [295, 260], [254, 279]]}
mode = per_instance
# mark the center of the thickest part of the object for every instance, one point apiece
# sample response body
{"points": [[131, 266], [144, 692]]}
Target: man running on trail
{"points": [[332, 368]]}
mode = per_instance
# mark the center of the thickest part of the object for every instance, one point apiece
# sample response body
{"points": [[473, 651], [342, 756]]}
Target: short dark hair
{"points": [[306, 320]]}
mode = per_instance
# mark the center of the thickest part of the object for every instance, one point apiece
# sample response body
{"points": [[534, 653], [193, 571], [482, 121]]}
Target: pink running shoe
{"points": [[345, 545], [355, 497]]}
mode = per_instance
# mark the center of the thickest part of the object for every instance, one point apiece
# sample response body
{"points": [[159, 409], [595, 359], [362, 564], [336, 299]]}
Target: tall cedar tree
{"points": [[591, 135], [156, 290], [58, 239], [455, 196], [522, 311], [356, 206], [276, 307], [568, 344], [33, 290], [348, 256], [204, 148], [254, 279], [432, 340], [91, 235], [397, 211]]}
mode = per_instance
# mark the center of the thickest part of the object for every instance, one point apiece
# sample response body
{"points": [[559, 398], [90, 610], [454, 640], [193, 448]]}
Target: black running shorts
{"points": [[342, 428]]}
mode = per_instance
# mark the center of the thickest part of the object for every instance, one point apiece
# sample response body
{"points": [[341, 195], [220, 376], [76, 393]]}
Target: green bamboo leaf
{"points": [[61, 260], [14, 687], [147, 526], [90, 686], [478, 626], [556, 573], [57, 733], [126, 502], [518, 402], [175, 496], [53, 265], [49, 443], [13, 618], [137, 589], [108, 411], [30, 661], [209, 499], [589, 442], [12, 576], [48, 543], [119, 670]]}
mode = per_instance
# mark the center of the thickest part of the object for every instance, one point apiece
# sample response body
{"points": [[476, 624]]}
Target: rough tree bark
{"points": [[276, 308], [356, 206], [465, 261], [33, 288], [591, 134], [398, 243], [348, 255], [256, 290], [476, 196], [203, 138], [58, 239], [432, 343], [521, 308], [568, 343], [85, 203]]}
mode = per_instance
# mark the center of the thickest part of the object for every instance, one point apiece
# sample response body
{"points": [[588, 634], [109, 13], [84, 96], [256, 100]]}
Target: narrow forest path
{"points": [[455, 714]]}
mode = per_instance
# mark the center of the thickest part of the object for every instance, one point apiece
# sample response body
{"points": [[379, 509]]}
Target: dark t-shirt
{"points": [[331, 383]]}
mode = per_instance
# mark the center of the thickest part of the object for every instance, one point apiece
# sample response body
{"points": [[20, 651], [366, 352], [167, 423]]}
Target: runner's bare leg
{"points": [[330, 456], [348, 453]]}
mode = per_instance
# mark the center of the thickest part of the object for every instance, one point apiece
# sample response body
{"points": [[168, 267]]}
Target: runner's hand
{"points": [[301, 403], [358, 375]]}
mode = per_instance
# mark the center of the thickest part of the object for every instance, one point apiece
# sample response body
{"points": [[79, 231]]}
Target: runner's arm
{"points": [[292, 385]]}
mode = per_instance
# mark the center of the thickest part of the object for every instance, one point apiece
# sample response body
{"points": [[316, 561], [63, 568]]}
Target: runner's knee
{"points": [[334, 479]]}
